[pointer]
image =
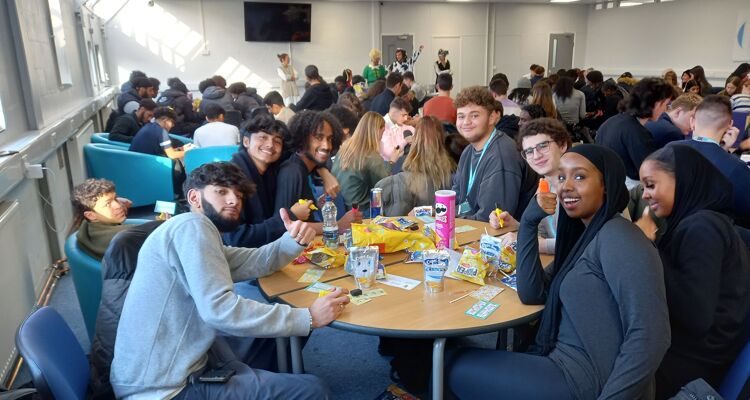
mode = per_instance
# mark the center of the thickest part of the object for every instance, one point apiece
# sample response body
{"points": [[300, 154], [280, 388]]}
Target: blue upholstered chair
{"points": [[104, 139], [58, 365], [142, 178], [736, 383], [203, 155], [182, 139]]}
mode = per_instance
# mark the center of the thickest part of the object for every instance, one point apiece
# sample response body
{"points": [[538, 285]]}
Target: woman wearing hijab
{"points": [[706, 267], [604, 328]]}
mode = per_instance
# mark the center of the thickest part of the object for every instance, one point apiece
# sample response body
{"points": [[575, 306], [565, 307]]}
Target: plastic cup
{"points": [[435, 264], [363, 262]]}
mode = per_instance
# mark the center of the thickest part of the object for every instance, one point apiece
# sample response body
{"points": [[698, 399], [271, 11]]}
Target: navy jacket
{"points": [[664, 131], [382, 102]]}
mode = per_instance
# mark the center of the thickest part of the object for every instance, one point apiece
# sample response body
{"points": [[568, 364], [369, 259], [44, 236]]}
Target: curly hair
{"points": [[644, 96], [544, 126], [223, 174], [478, 95], [84, 198], [306, 123], [346, 117]]}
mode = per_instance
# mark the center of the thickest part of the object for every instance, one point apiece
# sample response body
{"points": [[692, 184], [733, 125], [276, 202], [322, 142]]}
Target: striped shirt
{"points": [[741, 102]]}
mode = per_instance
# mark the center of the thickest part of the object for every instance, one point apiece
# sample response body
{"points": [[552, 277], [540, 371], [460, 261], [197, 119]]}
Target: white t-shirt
{"points": [[216, 134]]}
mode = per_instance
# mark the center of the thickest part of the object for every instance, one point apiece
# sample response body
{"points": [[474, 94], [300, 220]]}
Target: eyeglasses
{"points": [[541, 148]]}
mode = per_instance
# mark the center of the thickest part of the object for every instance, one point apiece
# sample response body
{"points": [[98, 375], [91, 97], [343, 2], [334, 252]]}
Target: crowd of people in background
{"points": [[647, 215]]}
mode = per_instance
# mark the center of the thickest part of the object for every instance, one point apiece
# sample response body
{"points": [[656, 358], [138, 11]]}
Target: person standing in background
{"points": [[442, 66], [403, 63], [288, 79], [374, 70]]}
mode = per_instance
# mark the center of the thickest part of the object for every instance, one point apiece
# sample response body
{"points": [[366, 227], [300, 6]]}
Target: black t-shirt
{"points": [[294, 183]]}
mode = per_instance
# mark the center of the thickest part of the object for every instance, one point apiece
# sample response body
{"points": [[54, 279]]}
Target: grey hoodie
{"points": [[182, 294], [216, 95]]}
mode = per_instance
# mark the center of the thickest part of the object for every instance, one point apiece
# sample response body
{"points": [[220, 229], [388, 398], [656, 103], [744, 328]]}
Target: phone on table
{"points": [[221, 375]]}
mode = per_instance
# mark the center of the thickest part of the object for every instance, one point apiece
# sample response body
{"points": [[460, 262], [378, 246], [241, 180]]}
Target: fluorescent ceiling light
{"points": [[563, 1], [630, 3]]}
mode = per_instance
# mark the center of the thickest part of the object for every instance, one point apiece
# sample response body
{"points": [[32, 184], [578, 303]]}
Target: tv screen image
{"points": [[277, 22]]}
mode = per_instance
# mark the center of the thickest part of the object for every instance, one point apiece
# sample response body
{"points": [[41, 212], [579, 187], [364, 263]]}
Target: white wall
{"points": [[647, 39]]}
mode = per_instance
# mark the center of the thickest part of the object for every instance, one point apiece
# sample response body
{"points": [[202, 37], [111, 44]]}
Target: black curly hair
{"points": [[263, 123], [306, 123], [644, 96], [85, 196], [223, 174]]}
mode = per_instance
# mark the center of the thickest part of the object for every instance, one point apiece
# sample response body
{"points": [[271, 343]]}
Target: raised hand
{"points": [[301, 231]]}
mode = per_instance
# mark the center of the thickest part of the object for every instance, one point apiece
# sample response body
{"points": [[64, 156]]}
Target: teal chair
{"points": [[142, 178], [203, 155], [103, 138], [181, 139], [87, 278]]}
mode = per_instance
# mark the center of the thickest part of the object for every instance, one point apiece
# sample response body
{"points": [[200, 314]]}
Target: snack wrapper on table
{"points": [[391, 240], [471, 267], [322, 256], [499, 252]]}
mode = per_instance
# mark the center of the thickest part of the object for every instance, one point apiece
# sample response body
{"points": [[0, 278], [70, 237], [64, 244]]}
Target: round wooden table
{"points": [[412, 313]]}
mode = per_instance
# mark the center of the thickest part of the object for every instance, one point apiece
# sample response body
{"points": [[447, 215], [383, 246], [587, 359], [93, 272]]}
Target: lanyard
{"points": [[473, 171], [705, 140]]}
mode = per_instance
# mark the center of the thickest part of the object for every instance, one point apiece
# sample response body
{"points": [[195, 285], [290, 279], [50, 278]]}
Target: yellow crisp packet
{"points": [[312, 205], [390, 240], [471, 267], [325, 257], [508, 252]]}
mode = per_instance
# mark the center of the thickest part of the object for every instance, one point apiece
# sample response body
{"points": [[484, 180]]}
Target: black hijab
{"points": [[699, 185], [573, 237]]}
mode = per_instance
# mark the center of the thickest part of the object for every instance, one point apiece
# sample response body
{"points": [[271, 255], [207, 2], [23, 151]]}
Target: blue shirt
{"points": [[382, 102], [733, 169], [664, 131], [151, 139]]}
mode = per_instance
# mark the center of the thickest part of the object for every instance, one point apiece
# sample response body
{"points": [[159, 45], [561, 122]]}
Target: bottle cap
{"points": [[328, 198], [355, 206]]}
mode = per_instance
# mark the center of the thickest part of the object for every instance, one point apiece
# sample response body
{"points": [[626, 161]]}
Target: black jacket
{"points": [[629, 139], [118, 267], [181, 104], [317, 97], [247, 102], [261, 223], [125, 128], [127, 97]]}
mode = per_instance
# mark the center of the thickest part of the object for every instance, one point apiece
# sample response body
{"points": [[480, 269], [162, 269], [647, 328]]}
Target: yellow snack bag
{"points": [[508, 252], [471, 267], [325, 257], [389, 240]]}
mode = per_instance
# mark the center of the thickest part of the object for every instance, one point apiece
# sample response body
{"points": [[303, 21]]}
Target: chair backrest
{"points": [[58, 365], [104, 139], [736, 384], [87, 279], [203, 155], [182, 139], [142, 178]]}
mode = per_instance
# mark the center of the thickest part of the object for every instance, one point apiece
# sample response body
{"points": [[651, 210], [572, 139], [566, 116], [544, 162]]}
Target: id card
{"points": [[464, 208]]}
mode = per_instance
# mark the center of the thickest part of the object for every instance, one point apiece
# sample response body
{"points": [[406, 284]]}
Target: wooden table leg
{"points": [[438, 356], [296, 348]]}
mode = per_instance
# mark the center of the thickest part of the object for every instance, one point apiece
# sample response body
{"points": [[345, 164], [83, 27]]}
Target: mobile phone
{"points": [[221, 375], [407, 133]]}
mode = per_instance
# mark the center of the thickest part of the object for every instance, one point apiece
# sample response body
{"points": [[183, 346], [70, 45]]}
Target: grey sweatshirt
{"points": [[502, 177], [182, 294], [614, 329]]}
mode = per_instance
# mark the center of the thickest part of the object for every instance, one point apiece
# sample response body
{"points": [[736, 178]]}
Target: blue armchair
{"points": [[142, 178], [202, 155], [103, 138]]}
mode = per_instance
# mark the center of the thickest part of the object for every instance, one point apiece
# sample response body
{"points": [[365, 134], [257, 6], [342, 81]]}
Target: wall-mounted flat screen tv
{"points": [[277, 22]]}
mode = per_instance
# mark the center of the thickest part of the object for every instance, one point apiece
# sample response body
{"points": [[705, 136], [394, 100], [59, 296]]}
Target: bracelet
{"points": [[311, 322]]}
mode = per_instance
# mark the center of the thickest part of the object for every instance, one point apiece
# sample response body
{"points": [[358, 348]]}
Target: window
{"points": [[103, 76], [58, 35], [2, 117]]}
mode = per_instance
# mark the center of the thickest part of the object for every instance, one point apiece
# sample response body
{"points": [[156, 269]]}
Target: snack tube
{"points": [[445, 218]]}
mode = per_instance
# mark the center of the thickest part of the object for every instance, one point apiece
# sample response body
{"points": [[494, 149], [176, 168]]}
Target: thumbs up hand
{"points": [[300, 231]]}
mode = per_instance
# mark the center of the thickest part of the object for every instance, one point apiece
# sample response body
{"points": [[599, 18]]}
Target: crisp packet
{"points": [[326, 258], [394, 223], [435, 264], [471, 267], [508, 252], [490, 248], [414, 256]]}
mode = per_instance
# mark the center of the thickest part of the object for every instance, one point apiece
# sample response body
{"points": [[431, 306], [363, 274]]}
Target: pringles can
{"points": [[445, 218], [376, 202]]}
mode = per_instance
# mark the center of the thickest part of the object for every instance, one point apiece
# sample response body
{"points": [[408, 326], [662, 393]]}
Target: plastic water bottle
{"points": [[330, 226]]}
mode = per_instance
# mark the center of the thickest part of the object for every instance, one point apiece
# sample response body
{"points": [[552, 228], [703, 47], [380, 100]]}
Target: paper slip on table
{"points": [[285, 280], [416, 313]]}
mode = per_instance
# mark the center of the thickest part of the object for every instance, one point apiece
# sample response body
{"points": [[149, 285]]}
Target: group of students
{"points": [[624, 302]]}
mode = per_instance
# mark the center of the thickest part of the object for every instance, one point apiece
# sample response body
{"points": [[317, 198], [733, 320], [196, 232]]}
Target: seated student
{"points": [[347, 119], [427, 168], [419, 92], [741, 100], [397, 134], [275, 104], [98, 215], [257, 157], [499, 89], [358, 165], [381, 103], [246, 99], [216, 132], [605, 327], [313, 137], [706, 266], [626, 134], [180, 99], [491, 172], [317, 96], [181, 297], [214, 92], [674, 124], [612, 99], [153, 138], [127, 85], [129, 101], [441, 106], [543, 141], [569, 101], [127, 125], [712, 121]]}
